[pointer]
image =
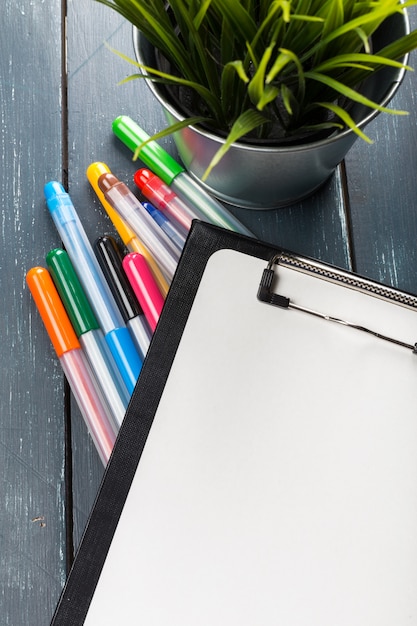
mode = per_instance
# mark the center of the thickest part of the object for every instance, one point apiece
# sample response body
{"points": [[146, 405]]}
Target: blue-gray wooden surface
{"points": [[57, 103]]}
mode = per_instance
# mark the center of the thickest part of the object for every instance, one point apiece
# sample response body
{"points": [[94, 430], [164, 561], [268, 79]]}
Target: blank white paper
{"points": [[278, 484]]}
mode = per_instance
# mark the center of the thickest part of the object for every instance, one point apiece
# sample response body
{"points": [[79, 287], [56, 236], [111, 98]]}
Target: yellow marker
{"points": [[128, 236]]}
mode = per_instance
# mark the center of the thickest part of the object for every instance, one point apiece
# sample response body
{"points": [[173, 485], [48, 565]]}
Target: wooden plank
{"points": [[32, 407], [383, 191], [316, 227], [32, 525]]}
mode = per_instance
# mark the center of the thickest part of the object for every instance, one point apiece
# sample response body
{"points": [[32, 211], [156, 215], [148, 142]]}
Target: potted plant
{"points": [[265, 97]]}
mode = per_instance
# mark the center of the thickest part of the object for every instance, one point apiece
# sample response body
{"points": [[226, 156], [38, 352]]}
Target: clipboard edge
{"points": [[202, 242]]}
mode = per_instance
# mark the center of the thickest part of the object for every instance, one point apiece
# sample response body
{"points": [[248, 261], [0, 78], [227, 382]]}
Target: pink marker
{"points": [[145, 287], [166, 200]]}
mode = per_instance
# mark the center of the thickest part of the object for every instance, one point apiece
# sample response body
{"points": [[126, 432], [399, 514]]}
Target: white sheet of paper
{"points": [[278, 484]]}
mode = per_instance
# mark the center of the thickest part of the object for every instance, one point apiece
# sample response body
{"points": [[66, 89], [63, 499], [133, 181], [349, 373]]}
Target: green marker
{"points": [[89, 334], [174, 175]]}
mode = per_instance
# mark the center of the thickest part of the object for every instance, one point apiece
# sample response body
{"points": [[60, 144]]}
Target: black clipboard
{"points": [[245, 523]]}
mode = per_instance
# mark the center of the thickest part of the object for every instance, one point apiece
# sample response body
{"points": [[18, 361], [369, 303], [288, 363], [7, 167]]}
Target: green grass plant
{"points": [[267, 69]]}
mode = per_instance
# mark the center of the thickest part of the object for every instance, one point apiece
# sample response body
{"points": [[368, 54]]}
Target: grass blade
{"points": [[350, 93], [246, 122]]}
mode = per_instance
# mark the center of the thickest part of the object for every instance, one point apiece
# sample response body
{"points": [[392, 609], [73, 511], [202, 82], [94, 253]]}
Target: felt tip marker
{"points": [[110, 259], [167, 226], [94, 283], [74, 363], [174, 175], [161, 195], [89, 333], [125, 202], [127, 235], [144, 286]]}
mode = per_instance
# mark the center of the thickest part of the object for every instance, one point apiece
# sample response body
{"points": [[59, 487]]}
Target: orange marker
{"points": [[74, 364]]}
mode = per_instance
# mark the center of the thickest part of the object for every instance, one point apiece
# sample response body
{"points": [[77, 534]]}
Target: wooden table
{"points": [[57, 103]]}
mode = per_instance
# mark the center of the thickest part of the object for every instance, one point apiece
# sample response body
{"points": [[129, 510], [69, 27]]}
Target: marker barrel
{"points": [[108, 376], [80, 379], [142, 333], [169, 228], [212, 210], [125, 202]]}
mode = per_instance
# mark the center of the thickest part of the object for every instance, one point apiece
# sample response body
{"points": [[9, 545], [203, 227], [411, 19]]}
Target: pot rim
{"points": [[311, 145]]}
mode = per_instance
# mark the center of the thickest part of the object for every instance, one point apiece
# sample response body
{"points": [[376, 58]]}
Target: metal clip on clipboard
{"points": [[265, 294]]}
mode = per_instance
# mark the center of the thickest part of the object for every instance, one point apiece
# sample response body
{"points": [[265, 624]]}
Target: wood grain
{"points": [[383, 194], [32, 522], [53, 126]]}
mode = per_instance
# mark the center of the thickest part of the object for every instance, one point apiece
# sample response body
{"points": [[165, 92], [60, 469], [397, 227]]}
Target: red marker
{"points": [[145, 287], [166, 200]]}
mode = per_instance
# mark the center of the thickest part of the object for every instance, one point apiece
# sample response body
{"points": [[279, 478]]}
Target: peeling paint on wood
{"points": [[367, 221]]}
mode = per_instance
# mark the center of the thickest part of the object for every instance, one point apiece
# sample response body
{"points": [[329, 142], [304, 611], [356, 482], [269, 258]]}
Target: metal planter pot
{"points": [[266, 177]]}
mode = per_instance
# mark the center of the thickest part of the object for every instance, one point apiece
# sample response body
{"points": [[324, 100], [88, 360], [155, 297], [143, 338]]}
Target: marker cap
{"points": [[152, 186], [108, 181], [94, 171], [152, 154], [52, 311], [58, 200], [70, 289], [125, 355], [147, 180], [164, 198], [110, 259], [144, 286]]}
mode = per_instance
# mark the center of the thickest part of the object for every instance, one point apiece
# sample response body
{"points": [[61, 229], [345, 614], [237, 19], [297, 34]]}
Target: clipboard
{"points": [[266, 470]]}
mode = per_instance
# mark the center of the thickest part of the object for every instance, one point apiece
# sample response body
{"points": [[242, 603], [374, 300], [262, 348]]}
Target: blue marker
{"points": [[167, 226], [92, 279]]}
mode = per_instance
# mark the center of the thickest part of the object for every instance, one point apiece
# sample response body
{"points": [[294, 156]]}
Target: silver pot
{"points": [[266, 177]]}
